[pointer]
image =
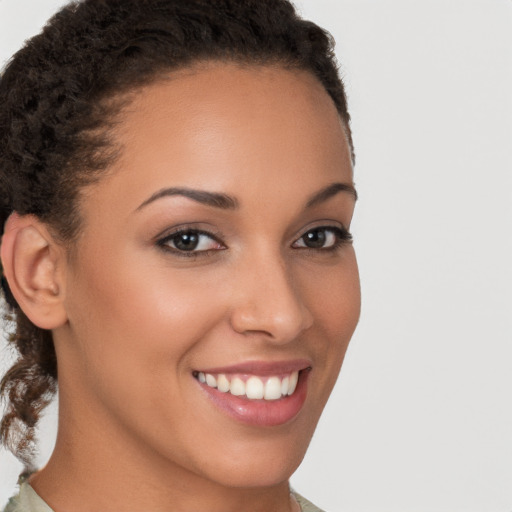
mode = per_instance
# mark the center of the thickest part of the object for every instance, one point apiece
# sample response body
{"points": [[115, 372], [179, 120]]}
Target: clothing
{"points": [[27, 500], [305, 505]]}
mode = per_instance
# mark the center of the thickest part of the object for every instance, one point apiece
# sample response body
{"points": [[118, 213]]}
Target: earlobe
{"points": [[32, 263]]}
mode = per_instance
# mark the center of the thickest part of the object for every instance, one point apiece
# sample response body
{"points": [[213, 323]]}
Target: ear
{"points": [[34, 264]]}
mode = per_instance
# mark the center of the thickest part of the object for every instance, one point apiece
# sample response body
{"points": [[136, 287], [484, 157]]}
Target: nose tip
{"points": [[273, 306]]}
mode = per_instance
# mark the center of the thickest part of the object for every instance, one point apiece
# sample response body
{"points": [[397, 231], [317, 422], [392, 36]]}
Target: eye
{"points": [[190, 241], [324, 237]]}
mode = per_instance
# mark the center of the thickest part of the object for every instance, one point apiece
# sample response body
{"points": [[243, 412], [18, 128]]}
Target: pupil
{"points": [[186, 241], [314, 239]]}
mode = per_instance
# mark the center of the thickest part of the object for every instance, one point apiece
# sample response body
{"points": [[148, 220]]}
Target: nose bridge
{"points": [[269, 301]]}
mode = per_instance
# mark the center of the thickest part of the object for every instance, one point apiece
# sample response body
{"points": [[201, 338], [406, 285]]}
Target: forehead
{"points": [[220, 126]]}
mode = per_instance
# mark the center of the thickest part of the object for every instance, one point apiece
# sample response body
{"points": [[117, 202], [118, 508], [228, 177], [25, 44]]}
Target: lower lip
{"points": [[261, 413]]}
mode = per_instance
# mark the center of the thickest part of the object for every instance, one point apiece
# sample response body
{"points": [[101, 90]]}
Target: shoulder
{"points": [[305, 505], [26, 500]]}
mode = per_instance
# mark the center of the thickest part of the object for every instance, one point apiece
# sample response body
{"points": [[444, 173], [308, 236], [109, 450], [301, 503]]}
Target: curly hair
{"points": [[58, 104]]}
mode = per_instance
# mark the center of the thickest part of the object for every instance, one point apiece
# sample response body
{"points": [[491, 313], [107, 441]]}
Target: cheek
{"points": [[334, 298], [137, 319], [135, 330]]}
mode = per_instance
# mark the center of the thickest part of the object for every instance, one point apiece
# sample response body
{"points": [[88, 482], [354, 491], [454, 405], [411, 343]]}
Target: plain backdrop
{"points": [[421, 418]]}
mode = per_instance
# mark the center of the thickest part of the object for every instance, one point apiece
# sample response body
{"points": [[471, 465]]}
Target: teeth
{"points": [[222, 383], [273, 389], [211, 380], [254, 388], [237, 387], [294, 377], [284, 386]]}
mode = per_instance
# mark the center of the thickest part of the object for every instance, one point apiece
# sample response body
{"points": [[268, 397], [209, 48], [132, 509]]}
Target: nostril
{"points": [[279, 326]]}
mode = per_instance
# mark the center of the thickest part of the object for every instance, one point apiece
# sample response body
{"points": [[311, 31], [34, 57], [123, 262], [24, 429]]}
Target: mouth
{"points": [[252, 387], [257, 394]]}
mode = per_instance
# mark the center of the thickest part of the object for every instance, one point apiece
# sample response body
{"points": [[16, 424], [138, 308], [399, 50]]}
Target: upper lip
{"points": [[262, 368]]}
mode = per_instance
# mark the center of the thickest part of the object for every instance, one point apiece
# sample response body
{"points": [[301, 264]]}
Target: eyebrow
{"points": [[214, 199], [226, 202], [330, 191]]}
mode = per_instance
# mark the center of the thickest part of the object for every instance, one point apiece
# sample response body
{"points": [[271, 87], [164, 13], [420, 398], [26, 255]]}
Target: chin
{"points": [[258, 475], [265, 463]]}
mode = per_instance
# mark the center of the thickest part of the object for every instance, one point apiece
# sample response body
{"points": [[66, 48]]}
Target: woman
{"points": [[177, 193]]}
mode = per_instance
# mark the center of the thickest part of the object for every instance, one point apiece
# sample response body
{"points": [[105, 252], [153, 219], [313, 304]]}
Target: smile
{"points": [[260, 394], [252, 387]]}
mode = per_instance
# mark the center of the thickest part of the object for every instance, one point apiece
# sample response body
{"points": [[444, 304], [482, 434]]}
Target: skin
{"points": [[136, 430]]}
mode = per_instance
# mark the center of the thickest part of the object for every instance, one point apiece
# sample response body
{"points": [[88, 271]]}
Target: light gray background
{"points": [[421, 419]]}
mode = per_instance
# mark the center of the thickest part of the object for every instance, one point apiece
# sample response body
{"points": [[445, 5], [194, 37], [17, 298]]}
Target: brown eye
{"points": [[323, 238], [191, 241], [187, 241], [315, 239]]}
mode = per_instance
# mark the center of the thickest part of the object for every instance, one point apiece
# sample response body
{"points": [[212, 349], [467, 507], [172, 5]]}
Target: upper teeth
{"points": [[255, 388]]}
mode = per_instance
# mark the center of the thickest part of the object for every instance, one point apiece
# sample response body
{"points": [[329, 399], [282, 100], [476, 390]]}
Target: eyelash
{"points": [[342, 237], [164, 243]]}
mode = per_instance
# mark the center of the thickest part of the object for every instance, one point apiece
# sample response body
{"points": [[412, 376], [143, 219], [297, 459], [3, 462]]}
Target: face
{"points": [[214, 289]]}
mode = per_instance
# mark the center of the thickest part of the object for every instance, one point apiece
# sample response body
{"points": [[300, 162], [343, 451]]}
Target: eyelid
{"points": [[163, 239], [203, 228], [322, 224], [340, 231]]}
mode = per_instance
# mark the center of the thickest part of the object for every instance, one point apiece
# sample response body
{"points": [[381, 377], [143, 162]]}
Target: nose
{"points": [[268, 301]]}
